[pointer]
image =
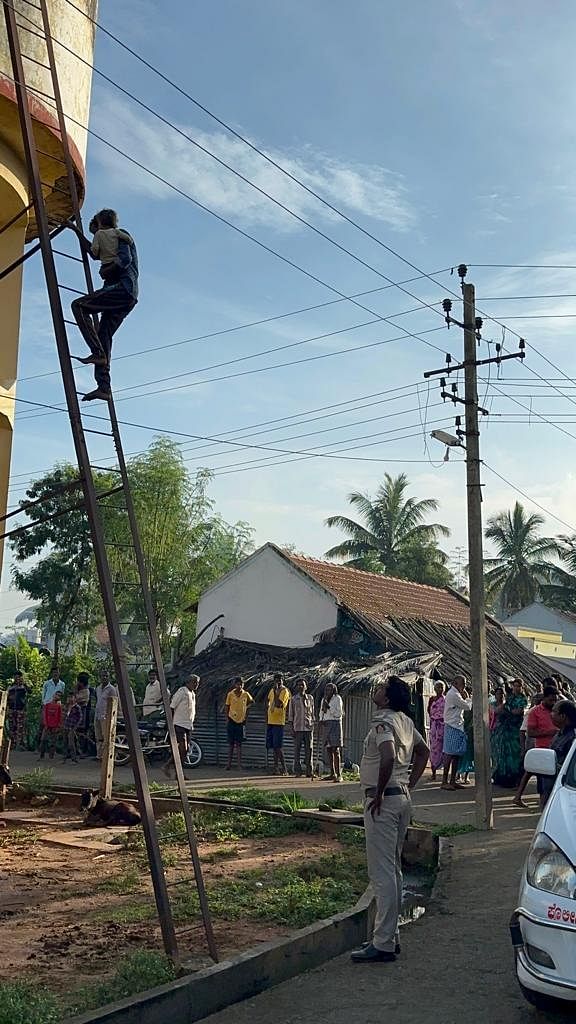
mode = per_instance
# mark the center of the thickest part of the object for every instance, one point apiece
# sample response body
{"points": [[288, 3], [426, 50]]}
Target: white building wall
{"points": [[268, 601]]}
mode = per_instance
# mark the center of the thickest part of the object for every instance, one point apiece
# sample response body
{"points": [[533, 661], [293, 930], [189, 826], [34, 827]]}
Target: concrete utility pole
{"points": [[479, 669], [471, 326]]}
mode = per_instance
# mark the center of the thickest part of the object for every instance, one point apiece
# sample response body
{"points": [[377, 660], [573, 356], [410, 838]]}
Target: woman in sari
{"points": [[467, 763], [436, 737], [506, 745]]}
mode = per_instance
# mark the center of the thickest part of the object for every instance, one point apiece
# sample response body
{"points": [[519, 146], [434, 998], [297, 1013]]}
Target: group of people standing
{"points": [[547, 719], [297, 711]]}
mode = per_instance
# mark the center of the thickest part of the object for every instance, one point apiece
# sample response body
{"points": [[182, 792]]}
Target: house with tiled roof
{"points": [[281, 599], [278, 611]]}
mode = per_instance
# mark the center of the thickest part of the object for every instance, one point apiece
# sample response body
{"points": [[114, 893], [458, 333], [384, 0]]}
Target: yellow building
{"points": [[76, 31]]}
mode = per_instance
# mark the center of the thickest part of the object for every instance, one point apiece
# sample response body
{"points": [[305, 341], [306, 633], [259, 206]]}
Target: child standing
{"points": [[73, 721], [52, 723]]}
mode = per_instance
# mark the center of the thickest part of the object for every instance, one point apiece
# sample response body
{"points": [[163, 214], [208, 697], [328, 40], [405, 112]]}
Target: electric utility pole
{"points": [[471, 326]]}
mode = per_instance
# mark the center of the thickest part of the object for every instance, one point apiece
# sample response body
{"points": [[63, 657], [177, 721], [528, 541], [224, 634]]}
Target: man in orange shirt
{"points": [[541, 729]]}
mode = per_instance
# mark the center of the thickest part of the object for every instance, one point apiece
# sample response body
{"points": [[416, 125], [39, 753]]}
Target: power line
{"points": [[530, 498], [242, 327], [404, 388], [223, 163], [237, 229], [240, 373], [151, 67]]}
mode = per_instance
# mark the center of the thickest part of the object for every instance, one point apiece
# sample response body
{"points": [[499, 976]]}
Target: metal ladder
{"points": [[91, 499]]}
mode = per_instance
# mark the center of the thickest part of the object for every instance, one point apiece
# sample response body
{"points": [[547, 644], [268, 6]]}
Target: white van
{"points": [[543, 927]]}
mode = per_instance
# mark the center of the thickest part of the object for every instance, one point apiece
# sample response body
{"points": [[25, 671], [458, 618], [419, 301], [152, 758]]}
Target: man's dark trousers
{"points": [[113, 305]]}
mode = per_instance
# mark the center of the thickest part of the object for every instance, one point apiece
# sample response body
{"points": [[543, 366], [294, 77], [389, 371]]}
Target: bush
{"points": [[137, 972], [38, 782], [24, 1003]]}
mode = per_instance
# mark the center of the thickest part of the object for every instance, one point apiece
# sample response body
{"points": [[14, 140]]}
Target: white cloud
{"points": [[364, 189]]}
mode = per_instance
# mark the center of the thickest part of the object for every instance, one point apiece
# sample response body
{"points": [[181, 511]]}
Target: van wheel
{"points": [[538, 1000]]}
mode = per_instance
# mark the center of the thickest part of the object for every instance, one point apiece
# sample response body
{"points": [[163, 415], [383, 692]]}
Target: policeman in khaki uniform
{"points": [[395, 755]]}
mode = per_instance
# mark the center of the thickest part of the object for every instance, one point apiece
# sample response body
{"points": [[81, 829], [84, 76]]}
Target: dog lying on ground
{"points": [[98, 811]]}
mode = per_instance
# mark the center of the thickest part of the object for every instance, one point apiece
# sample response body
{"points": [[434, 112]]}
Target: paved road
{"points": [[456, 964], [432, 804]]}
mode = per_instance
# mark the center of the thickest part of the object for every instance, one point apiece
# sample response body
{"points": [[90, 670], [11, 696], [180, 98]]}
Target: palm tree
{"points": [[561, 591], [522, 569], [392, 536]]}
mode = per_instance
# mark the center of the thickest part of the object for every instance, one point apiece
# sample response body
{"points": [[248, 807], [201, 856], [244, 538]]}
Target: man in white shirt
{"points": [[152, 694], [395, 755], [331, 719], [183, 706], [455, 705], [52, 685], [105, 691]]}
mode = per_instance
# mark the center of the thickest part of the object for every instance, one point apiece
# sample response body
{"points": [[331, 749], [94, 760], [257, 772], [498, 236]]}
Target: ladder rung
{"points": [[58, 252], [104, 469], [67, 288], [124, 583], [35, 6], [39, 92], [117, 508], [116, 544], [103, 433], [40, 65], [71, 322], [133, 622]]}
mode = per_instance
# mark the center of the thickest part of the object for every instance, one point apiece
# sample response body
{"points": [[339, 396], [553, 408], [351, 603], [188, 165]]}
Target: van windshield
{"points": [[570, 777]]}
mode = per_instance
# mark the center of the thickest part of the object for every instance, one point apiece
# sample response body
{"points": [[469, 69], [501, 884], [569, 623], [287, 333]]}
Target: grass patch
{"points": [[260, 799], [129, 913], [139, 971], [130, 881], [446, 830], [226, 853], [294, 897], [353, 837], [226, 826], [38, 782], [24, 1003], [18, 837]]}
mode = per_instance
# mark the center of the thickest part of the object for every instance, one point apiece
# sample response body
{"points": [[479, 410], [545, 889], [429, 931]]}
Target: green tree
{"points": [[186, 546], [392, 536], [522, 567], [24, 658], [62, 579], [560, 592]]}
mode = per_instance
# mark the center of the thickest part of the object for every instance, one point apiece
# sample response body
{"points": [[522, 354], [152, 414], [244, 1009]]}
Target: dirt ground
{"points": [[456, 963], [55, 901]]}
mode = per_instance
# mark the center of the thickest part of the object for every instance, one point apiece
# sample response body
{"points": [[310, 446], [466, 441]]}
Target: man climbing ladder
{"points": [[116, 251]]}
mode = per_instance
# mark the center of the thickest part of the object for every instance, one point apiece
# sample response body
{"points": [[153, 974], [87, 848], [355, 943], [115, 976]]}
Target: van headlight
{"points": [[549, 869]]}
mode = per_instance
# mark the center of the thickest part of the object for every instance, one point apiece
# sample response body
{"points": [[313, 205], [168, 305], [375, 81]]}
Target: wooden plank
{"points": [[97, 840], [107, 768]]}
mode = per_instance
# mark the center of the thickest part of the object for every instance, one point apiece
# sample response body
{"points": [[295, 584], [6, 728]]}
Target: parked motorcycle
{"points": [[155, 743]]}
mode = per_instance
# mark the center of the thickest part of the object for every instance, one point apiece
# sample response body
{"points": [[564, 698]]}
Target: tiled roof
{"points": [[380, 597]]}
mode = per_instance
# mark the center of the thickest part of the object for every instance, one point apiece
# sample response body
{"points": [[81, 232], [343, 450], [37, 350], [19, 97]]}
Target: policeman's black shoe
{"points": [[397, 947], [370, 955]]}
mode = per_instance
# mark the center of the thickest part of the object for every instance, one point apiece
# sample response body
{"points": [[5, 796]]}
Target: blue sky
{"points": [[447, 131]]}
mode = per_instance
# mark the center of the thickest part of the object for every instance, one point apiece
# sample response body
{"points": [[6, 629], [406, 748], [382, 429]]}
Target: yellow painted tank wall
{"points": [[72, 28]]}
